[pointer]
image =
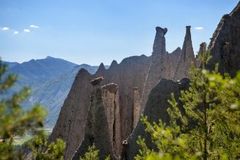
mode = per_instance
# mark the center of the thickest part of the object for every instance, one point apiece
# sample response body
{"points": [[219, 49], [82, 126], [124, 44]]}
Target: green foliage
{"points": [[208, 128], [16, 122], [41, 149], [169, 141], [91, 154]]}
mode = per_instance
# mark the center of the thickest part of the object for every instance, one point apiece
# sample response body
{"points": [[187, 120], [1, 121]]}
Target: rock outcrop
{"points": [[130, 73], [159, 45], [103, 122], [225, 44], [110, 97], [101, 69], [162, 65], [224, 48], [120, 99], [202, 50], [136, 106], [156, 108], [71, 122], [187, 58]]}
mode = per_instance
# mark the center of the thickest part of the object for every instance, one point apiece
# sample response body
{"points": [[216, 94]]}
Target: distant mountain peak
{"points": [[49, 57]]}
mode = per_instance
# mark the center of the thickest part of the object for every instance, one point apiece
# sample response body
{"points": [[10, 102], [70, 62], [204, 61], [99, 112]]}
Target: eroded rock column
{"points": [[136, 106], [110, 97], [187, 58]]}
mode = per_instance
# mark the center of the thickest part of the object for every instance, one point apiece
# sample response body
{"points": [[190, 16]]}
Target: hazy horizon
{"points": [[93, 32]]}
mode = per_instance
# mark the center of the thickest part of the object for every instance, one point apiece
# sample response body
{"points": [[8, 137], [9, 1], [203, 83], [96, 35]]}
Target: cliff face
{"points": [[103, 122], [225, 44], [71, 122], [129, 74], [110, 97], [136, 106], [120, 106]]}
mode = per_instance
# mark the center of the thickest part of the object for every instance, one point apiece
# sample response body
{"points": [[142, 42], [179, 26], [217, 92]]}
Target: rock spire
{"points": [[159, 45], [187, 57]]}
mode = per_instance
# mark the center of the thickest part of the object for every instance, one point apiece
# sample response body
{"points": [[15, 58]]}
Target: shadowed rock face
{"points": [[225, 44], [156, 108], [202, 50]]}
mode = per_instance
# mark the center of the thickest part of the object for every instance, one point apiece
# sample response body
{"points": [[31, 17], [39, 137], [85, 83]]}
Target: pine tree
{"points": [[41, 149], [14, 121], [92, 154], [209, 126]]}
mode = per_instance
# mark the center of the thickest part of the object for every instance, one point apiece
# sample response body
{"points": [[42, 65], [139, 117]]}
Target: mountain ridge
{"points": [[50, 80]]}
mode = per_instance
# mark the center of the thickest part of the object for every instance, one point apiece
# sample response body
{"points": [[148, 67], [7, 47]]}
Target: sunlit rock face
{"points": [[71, 122]]}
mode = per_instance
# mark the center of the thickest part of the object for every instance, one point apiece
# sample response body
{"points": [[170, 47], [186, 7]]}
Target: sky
{"points": [[95, 31]]}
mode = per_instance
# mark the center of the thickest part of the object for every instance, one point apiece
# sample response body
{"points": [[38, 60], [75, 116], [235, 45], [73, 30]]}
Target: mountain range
{"points": [[50, 80]]}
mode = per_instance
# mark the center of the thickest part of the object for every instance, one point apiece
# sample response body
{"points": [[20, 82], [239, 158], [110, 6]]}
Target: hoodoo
{"points": [[187, 57], [96, 128], [162, 64], [202, 50], [159, 45]]}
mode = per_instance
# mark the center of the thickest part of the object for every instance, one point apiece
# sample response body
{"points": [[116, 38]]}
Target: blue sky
{"points": [[95, 31]]}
